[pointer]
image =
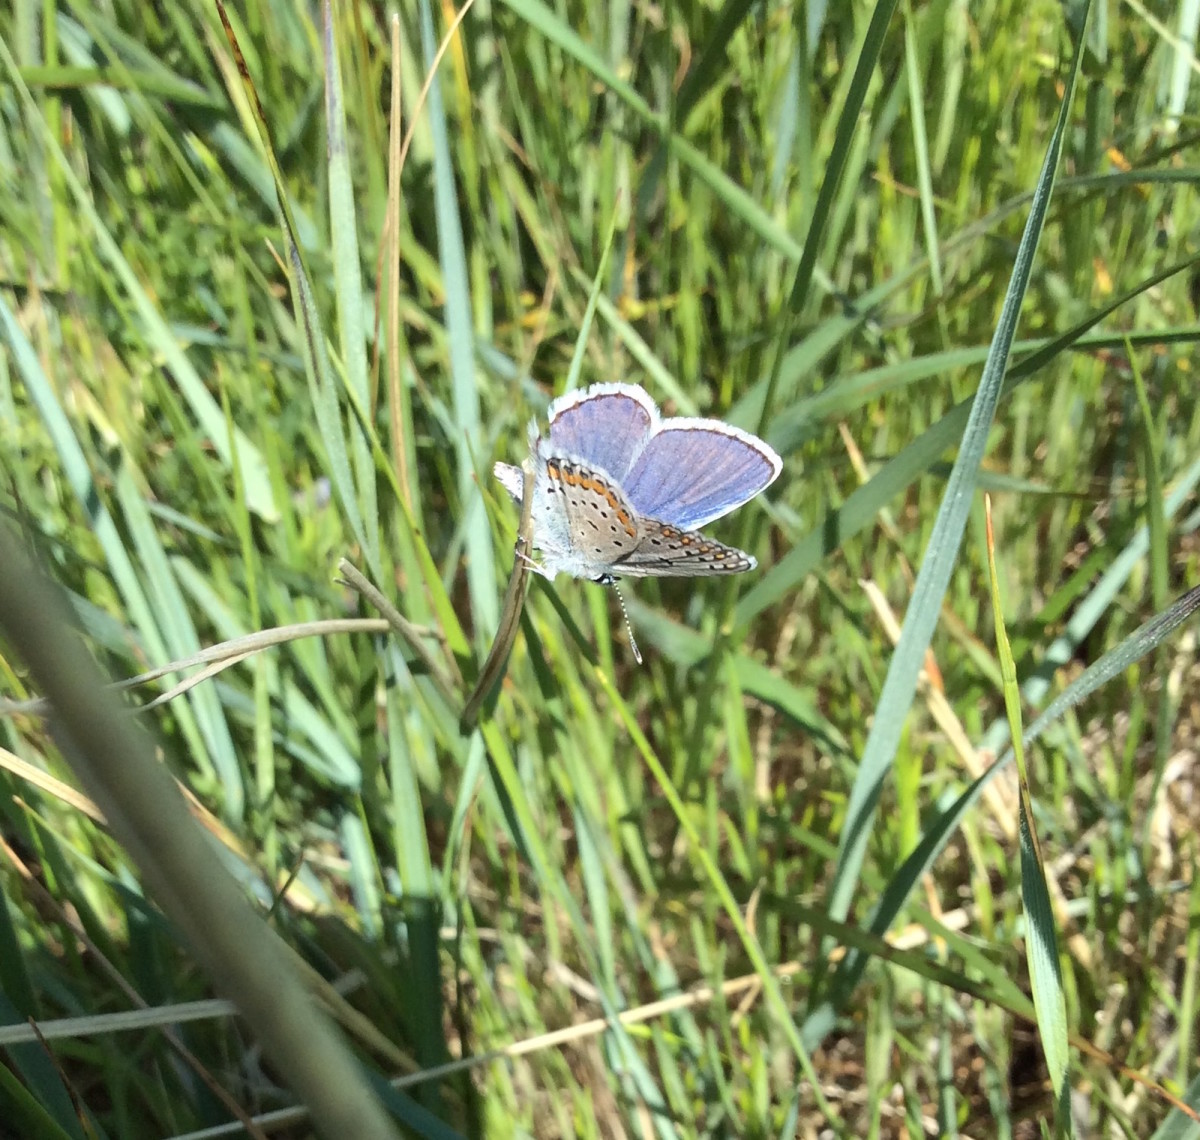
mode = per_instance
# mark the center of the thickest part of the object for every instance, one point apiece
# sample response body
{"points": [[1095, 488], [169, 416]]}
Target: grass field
{"points": [[268, 302]]}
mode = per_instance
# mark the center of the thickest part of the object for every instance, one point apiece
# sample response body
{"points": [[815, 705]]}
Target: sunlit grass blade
{"points": [[916, 112], [1183, 61], [413, 864], [174, 620], [398, 363], [322, 387], [323, 392], [1159, 555]]}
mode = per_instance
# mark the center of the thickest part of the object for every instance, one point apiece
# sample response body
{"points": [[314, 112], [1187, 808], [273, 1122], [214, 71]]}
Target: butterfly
{"points": [[619, 491]]}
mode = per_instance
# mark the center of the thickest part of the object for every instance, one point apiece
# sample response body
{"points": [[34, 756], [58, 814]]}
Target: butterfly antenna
{"points": [[637, 653]]}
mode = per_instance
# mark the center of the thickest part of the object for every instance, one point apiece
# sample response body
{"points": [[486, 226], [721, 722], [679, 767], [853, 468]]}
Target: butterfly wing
{"points": [[511, 479], [606, 426], [601, 527], [665, 551], [693, 471]]}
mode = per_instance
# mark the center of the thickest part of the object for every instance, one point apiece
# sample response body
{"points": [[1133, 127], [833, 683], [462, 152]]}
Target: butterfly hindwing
{"points": [[665, 551], [601, 526]]}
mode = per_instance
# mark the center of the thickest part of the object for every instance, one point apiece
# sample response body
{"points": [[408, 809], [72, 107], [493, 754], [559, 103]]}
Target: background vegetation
{"points": [[197, 420]]}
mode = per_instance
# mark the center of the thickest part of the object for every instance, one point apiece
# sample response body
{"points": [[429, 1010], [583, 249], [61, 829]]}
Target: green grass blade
{"points": [[32, 1088], [158, 336], [916, 113], [863, 505], [1045, 975], [838, 158], [347, 272], [941, 827], [1041, 938], [942, 549], [1097, 602], [1178, 1125], [141, 611], [409, 837], [180, 637], [323, 390], [467, 436], [26, 1110]]}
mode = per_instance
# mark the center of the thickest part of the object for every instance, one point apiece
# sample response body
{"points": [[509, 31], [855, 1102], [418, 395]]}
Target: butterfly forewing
{"points": [[606, 426]]}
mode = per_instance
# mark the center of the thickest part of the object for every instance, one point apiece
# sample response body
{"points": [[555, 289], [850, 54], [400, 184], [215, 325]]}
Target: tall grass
{"points": [[766, 884]]}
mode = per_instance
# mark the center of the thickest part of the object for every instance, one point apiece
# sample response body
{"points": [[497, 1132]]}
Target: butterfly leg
{"points": [[533, 565]]}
